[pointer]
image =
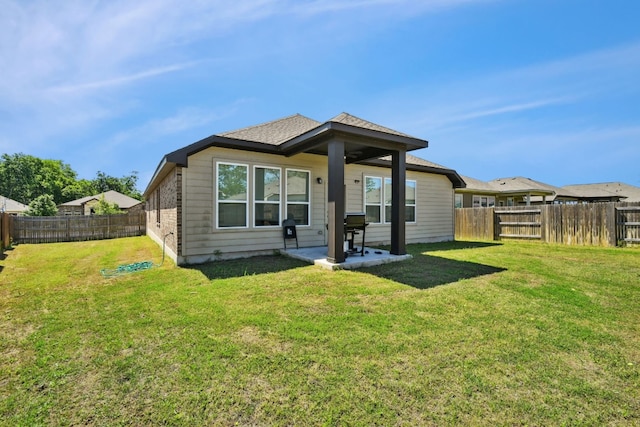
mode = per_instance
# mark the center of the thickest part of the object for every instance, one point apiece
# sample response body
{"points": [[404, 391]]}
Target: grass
{"points": [[466, 333]]}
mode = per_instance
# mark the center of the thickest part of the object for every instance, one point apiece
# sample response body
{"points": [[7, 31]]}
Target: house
{"points": [[512, 191], [12, 207], [606, 192], [526, 191], [86, 205], [227, 195], [476, 194]]}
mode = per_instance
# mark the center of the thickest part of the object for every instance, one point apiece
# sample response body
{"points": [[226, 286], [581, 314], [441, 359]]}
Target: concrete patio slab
{"points": [[318, 256]]}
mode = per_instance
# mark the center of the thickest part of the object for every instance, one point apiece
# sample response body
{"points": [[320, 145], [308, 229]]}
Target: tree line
{"points": [[43, 183]]}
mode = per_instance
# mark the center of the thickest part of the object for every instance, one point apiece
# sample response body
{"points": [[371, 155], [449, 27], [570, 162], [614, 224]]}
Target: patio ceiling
{"points": [[359, 144]]}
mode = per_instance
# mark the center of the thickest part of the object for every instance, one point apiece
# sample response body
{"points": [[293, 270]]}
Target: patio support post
{"points": [[398, 213], [335, 199]]}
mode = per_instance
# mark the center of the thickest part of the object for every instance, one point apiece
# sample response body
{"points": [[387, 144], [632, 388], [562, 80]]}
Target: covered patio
{"points": [[346, 139]]}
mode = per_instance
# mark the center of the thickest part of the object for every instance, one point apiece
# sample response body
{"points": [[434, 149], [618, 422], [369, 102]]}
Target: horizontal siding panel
{"points": [[202, 238]]}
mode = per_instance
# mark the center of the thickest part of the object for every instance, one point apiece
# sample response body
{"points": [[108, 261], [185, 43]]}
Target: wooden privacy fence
{"points": [[628, 224], [72, 228], [474, 223], [593, 224]]}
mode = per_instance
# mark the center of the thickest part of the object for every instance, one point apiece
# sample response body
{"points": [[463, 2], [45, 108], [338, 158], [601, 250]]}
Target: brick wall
{"points": [[167, 196]]}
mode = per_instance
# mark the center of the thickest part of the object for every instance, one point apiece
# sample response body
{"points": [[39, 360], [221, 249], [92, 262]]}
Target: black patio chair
{"points": [[289, 231]]}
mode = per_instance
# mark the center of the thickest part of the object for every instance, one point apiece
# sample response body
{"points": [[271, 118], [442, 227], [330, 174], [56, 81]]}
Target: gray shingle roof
{"points": [[420, 164], [348, 119], [297, 133], [520, 184], [413, 160], [477, 185], [123, 201], [275, 132], [278, 131], [10, 205], [629, 193]]}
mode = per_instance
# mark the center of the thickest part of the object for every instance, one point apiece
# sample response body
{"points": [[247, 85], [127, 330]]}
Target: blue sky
{"points": [[547, 89]]}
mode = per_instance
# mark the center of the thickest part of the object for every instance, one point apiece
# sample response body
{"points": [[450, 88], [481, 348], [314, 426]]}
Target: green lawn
{"points": [[463, 334]]}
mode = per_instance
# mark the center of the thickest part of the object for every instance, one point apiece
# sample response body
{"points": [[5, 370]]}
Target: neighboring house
{"points": [[476, 194], [227, 195], [515, 191], [86, 205], [606, 192], [12, 207], [526, 191]]}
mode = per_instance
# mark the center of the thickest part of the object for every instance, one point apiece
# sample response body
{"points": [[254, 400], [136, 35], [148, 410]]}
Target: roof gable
{"points": [[122, 200], [348, 119], [522, 184], [275, 132], [10, 205], [478, 185], [365, 142], [626, 192]]}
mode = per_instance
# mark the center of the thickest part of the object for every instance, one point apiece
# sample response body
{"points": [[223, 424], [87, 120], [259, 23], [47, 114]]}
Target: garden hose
{"points": [[136, 266]]}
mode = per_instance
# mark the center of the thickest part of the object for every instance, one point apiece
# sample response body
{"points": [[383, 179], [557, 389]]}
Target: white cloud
{"points": [[569, 82], [67, 65], [118, 81], [157, 130], [399, 7], [494, 110]]}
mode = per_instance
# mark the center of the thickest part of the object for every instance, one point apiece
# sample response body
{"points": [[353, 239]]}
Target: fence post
{"points": [[611, 220]]}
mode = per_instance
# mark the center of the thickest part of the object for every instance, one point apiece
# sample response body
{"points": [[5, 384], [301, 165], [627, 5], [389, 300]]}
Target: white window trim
{"points": [[491, 201], [415, 202], [255, 202], [383, 205], [380, 203], [286, 196], [246, 201], [458, 197]]}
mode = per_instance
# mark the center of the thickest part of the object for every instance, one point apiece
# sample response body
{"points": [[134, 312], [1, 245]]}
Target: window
{"points": [[484, 201], [298, 199], [458, 201], [266, 208], [373, 199], [232, 197], [409, 202], [157, 206]]}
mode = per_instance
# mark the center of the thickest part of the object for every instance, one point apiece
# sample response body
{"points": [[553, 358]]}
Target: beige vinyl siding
{"points": [[434, 205], [202, 240], [434, 209]]}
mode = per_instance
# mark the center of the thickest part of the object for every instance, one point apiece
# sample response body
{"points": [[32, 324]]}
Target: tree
{"points": [[17, 177], [79, 189], [42, 205], [105, 208], [23, 178], [54, 177], [125, 185]]}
